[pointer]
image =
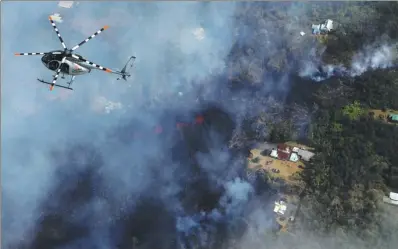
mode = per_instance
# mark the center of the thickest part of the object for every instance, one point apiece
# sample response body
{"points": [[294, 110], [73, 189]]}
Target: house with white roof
{"points": [[280, 207], [284, 152], [391, 199], [323, 28]]}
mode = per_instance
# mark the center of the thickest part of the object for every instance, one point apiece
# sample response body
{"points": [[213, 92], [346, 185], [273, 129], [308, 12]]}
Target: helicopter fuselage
{"points": [[67, 62], [71, 66]]}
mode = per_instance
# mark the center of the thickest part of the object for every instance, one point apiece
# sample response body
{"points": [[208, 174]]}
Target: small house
{"points": [[274, 153], [393, 118], [391, 199], [280, 207], [324, 28], [294, 157], [305, 154], [284, 152]]}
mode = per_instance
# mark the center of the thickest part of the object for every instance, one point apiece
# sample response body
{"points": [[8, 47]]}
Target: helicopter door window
{"points": [[65, 68], [53, 65]]}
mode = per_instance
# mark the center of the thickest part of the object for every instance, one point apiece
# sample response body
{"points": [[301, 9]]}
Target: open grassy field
{"points": [[287, 169], [288, 172]]}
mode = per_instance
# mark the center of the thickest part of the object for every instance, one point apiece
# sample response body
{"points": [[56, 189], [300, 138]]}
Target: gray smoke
{"points": [[370, 58], [37, 123], [108, 177]]}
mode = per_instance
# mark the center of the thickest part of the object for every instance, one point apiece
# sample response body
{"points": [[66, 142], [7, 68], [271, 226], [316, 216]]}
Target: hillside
{"points": [[355, 162], [244, 125]]}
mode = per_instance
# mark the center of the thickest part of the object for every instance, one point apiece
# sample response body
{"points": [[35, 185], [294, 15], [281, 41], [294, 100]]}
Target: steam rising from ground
{"points": [[370, 58]]}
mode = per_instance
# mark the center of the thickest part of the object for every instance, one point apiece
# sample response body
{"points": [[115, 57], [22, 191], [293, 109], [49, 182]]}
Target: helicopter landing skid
{"points": [[51, 84]]}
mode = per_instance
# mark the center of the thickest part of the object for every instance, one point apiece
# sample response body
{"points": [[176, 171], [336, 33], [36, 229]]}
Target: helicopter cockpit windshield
{"points": [[51, 57], [53, 61]]}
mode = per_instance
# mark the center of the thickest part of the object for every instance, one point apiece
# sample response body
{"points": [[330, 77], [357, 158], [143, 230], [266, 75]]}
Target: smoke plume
{"points": [[370, 58], [79, 171]]}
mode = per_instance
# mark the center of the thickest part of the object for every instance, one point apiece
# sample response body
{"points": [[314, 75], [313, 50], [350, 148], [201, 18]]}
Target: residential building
{"points": [[285, 212], [284, 152], [305, 154], [392, 118], [280, 207], [324, 28], [391, 199], [274, 153], [294, 157]]}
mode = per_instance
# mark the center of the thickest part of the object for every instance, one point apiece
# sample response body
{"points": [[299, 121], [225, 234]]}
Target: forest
{"points": [[356, 161], [126, 189]]}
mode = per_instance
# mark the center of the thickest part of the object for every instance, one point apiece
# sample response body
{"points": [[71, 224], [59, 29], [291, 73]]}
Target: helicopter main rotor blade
{"points": [[57, 31], [90, 37], [93, 64], [17, 54], [57, 74]]}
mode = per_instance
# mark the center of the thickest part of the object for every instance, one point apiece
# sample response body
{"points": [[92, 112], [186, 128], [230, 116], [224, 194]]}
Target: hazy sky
{"points": [[35, 121]]}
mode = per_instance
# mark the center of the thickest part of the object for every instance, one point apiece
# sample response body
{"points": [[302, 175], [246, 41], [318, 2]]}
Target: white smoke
{"points": [[168, 56], [237, 194], [370, 58], [103, 105]]}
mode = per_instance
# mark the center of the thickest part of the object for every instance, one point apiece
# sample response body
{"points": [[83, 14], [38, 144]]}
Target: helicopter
{"points": [[66, 62]]}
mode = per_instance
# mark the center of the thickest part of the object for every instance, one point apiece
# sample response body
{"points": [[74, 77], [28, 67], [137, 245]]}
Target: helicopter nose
{"points": [[44, 62]]}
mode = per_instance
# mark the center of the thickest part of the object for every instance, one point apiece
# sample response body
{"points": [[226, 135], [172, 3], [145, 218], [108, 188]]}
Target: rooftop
{"points": [[394, 196], [391, 199], [287, 170], [283, 147], [294, 157], [280, 207], [283, 155], [305, 154], [393, 117]]}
